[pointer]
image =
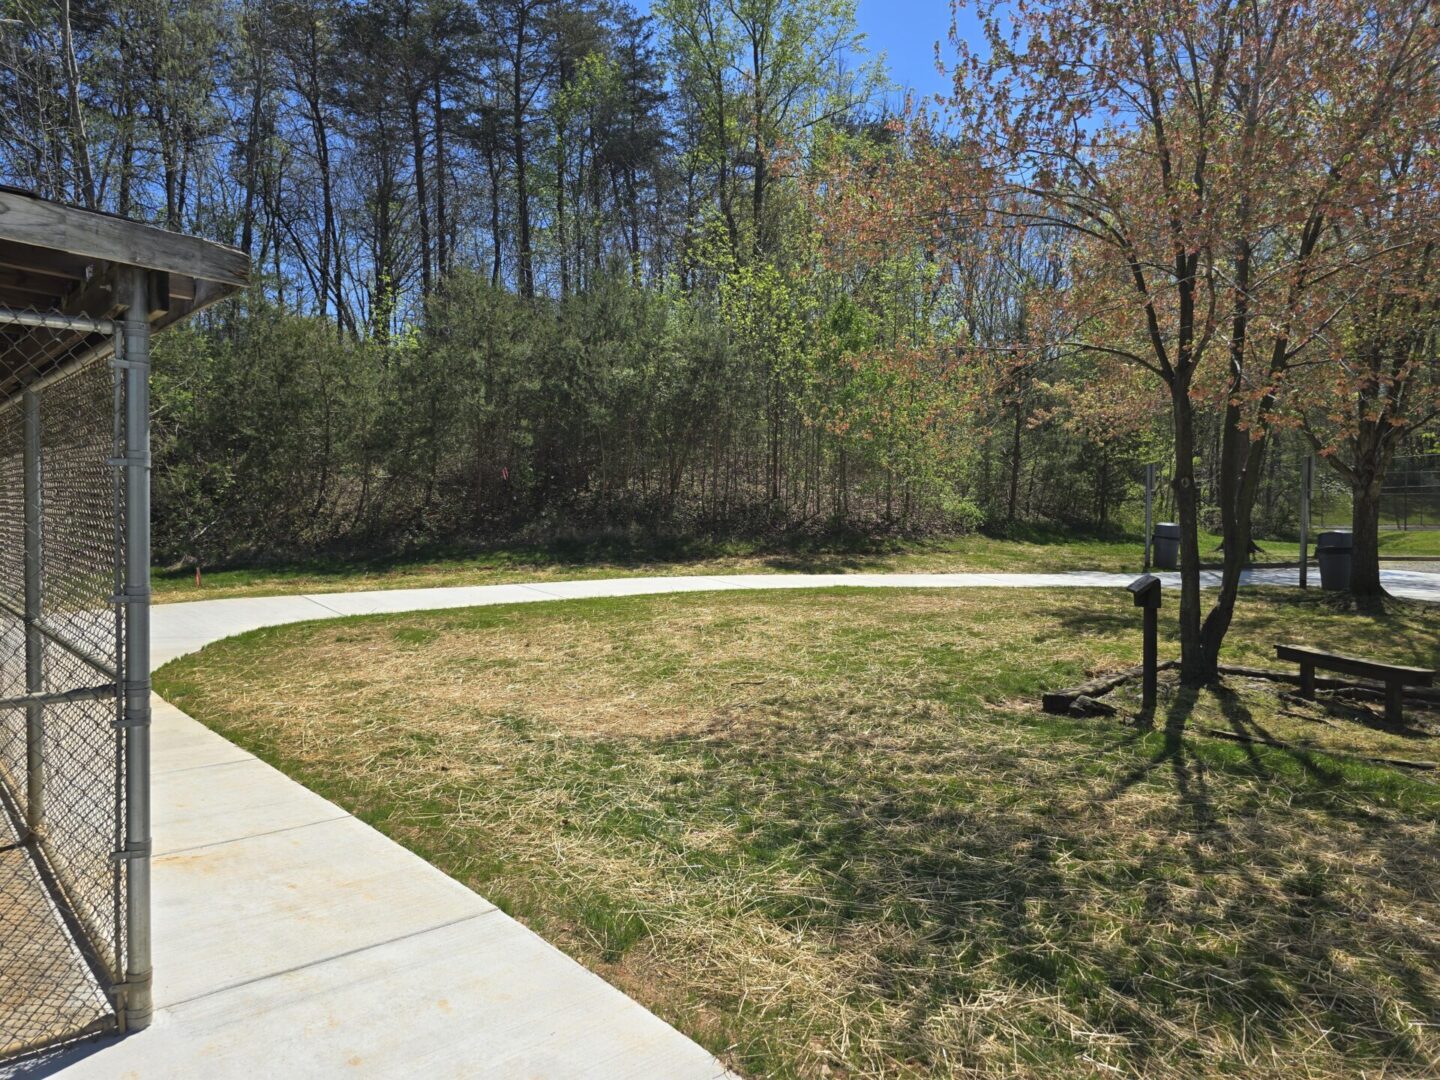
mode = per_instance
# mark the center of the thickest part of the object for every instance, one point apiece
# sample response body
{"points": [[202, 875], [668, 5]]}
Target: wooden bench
{"points": [[1395, 676]]}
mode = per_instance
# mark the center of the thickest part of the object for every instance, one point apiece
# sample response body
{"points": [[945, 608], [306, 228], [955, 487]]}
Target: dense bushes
{"points": [[619, 408], [637, 410]]}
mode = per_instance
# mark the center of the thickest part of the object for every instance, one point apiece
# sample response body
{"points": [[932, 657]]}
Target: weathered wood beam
{"points": [[182, 289], [25, 219], [94, 297], [1355, 665], [181, 307]]}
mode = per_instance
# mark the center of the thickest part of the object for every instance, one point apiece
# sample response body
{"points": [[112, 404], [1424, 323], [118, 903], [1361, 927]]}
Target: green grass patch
{"points": [[1411, 542], [829, 833]]}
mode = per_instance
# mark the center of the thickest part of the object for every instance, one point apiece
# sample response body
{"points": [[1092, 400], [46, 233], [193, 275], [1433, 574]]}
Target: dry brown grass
{"points": [[830, 835]]}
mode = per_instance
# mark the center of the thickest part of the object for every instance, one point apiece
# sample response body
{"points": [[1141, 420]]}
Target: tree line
{"points": [[521, 265]]}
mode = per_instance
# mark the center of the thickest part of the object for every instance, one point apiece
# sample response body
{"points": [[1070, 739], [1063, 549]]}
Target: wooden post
{"points": [[1146, 590], [1307, 680], [1151, 657], [1394, 701]]}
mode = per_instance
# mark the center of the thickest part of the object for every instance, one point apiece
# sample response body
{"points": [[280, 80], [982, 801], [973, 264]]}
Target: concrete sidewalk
{"points": [[292, 940]]}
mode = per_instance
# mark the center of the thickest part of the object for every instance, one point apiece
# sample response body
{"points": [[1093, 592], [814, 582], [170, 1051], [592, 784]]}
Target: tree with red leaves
{"points": [[1376, 381], [1217, 164]]}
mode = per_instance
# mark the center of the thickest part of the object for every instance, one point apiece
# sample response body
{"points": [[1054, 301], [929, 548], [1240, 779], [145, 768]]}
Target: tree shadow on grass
{"points": [[1188, 907], [1340, 706], [1272, 615], [1346, 626]]}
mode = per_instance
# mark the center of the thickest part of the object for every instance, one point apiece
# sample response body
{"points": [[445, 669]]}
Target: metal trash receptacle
{"points": [[1165, 545], [1333, 552]]}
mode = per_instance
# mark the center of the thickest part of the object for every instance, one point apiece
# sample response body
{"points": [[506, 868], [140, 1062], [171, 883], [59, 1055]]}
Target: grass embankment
{"points": [[1412, 543], [1033, 549], [830, 833]]}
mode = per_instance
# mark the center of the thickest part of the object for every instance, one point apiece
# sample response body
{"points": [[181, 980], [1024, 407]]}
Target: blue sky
{"points": [[906, 31]]}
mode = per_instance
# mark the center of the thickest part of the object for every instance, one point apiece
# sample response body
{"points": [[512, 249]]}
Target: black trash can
{"points": [[1332, 551], [1165, 546]]}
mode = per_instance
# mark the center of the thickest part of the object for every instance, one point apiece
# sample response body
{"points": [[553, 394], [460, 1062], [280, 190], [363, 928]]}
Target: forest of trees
{"points": [[550, 266]]}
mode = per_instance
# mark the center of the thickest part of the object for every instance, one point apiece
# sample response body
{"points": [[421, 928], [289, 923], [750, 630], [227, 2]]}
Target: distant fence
{"points": [[1410, 498]]}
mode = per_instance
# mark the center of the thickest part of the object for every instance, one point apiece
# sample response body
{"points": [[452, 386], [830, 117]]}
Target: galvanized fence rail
{"points": [[74, 700]]}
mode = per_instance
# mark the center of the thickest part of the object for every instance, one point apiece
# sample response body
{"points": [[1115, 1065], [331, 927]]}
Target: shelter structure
{"points": [[81, 293]]}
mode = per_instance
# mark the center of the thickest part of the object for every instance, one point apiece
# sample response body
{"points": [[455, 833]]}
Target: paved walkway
{"points": [[181, 628], [293, 940]]}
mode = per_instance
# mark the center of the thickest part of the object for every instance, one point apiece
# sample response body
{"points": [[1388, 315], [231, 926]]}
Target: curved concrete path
{"points": [[293, 940], [177, 629]]}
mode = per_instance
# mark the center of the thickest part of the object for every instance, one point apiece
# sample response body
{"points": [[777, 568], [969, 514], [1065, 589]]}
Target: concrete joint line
{"points": [[252, 836], [331, 959]]}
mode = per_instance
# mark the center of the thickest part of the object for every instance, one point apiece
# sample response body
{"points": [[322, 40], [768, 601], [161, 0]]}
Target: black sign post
{"points": [[1146, 590]]}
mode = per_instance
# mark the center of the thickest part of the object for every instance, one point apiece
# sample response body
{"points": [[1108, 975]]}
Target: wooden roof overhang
{"points": [[61, 259]]}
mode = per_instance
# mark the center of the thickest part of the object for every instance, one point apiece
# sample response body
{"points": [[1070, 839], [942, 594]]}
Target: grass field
{"points": [[1412, 543], [830, 834]]}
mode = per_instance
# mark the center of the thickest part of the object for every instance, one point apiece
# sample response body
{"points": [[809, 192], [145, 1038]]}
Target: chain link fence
{"points": [[1409, 499], [63, 844]]}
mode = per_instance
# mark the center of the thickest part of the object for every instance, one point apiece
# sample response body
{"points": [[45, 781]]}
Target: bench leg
{"points": [[1394, 703], [1307, 680]]}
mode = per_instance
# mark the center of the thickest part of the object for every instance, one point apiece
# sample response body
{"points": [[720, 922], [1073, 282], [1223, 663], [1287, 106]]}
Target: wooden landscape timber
{"points": [[1059, 702]]}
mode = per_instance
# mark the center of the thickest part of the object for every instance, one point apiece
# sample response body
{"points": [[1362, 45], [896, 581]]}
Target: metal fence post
{"points": [[136, 360], [34, 637], [1149, 501], [1306, 467]]}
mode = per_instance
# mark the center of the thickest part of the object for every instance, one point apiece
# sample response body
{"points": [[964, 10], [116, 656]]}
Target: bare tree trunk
{"points": [[1194, 667], [1373, 452], [1236, 512], [422, 202], [632, 214], [256, 129], [492, 167], [1015, 457], [518, 143], [1365, 489], [79, 140], [562, 166], [1104, 486], [442, 223], [125, 202], [329, 287]]}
